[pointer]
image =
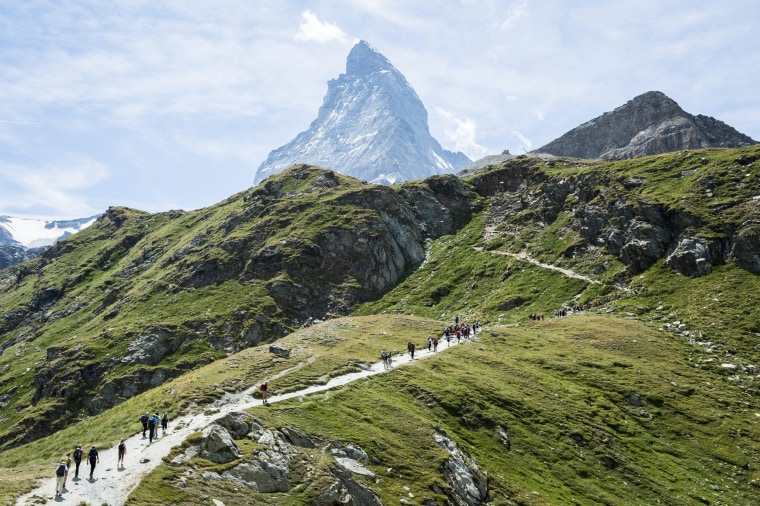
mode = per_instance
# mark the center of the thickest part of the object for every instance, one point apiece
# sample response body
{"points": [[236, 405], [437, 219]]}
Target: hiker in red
{"points": [[264, 392]]}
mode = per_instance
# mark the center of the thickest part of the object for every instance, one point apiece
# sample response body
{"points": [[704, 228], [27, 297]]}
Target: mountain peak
{"points": [[371, 126], [649, 124], [364, 59]]}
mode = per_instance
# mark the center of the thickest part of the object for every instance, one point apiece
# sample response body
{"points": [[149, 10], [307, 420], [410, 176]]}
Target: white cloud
{"points": [[513, 14], [49, 190], [312, 29], [461, 134]]}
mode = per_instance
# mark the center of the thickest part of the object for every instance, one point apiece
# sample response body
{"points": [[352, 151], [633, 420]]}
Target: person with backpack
{"points": [[164, 422], [66, 459], [264, 392], [78, 452], [93, 458], [60, 475], [122, 454], [144, 421], [152, 422]]}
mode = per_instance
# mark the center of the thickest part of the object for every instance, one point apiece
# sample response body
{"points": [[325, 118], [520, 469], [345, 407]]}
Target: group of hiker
{"points": [[458, 330], [150, 424], [75, 457]]}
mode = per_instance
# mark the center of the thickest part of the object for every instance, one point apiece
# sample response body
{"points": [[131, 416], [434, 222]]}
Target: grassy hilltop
{"points": [[647, 395]]}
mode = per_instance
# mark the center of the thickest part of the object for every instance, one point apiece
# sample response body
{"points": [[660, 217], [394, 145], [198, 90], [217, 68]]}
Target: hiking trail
{"points": [[111, 485]]}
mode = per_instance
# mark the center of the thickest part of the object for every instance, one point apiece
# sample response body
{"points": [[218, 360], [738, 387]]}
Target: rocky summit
{"points": [[649, 124], [371, 126]]}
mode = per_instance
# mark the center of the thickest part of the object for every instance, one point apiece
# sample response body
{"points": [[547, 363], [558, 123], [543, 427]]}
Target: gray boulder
{"points": [[218, 446], [691, 257], [237, 423], [261, 476]]}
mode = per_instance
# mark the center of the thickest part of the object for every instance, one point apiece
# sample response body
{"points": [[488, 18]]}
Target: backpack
{"points": [[165, 417], [61, 469], [122, 447], [93, 454], [78, 454]]}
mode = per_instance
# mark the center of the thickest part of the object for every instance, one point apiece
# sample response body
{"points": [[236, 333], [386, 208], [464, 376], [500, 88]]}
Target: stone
{"points": [[279, 350], [237, 423], [218, 446]]}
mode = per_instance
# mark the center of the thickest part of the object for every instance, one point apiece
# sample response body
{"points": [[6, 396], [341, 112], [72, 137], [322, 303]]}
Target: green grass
{"points": [[559, 387], [562, 390]]}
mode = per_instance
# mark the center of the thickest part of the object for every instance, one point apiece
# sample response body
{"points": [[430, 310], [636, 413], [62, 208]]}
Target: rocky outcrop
{"points": [[218, 446], [649, 124], [468, 484], [637, 232]]}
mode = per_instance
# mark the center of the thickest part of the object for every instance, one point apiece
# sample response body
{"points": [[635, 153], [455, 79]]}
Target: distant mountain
{"points": [[372, 126], [25, 238], [649, 124]]}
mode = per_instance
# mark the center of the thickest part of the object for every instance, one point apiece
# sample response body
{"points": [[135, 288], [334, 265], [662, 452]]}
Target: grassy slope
{"points": [[562, 390], [560, 387]]}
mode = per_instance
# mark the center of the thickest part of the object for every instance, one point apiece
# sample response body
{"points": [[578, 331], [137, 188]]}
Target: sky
{"points": [[161, 105]]}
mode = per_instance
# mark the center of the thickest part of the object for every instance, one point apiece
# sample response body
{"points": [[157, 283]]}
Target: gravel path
{"points": [[111, 485]]}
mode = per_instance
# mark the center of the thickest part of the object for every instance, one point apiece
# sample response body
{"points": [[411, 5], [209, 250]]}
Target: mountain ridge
{"points": [[176, 309], [648, 124]]}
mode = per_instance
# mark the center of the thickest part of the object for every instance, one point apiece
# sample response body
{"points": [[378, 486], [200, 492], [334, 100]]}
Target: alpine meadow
{"points": [[616, 361]]}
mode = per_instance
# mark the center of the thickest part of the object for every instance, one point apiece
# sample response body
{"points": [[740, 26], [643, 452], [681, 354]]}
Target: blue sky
{"points": [[162, 105]]}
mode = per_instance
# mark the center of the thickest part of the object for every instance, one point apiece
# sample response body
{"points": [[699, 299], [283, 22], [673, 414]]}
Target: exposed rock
{"points": [[237, 423], [469, 486], [218, 446], [371, 125], [152, 345], [279, 350], [297, 438], [346, 491], [746, 249], [504, 435], [691, 257], [261, 476], [649, 124]]}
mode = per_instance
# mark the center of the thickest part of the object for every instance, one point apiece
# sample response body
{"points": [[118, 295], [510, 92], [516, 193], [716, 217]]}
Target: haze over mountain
{"points": [[372, 126], [649, 124]]}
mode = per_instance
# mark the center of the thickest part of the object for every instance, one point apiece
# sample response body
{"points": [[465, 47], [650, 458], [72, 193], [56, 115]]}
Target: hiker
{"points": [[151, 428], [164, 422], [66, 459], [435, 345], [60, 476], [264, 392], [122, 453], [410, 346], [144, 420], [448, 340], [93, 458], [78, 452], [430, 343]]}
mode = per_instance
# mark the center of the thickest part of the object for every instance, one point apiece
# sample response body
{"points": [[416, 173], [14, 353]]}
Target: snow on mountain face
{"points": [[371, 126], [35, 233]]}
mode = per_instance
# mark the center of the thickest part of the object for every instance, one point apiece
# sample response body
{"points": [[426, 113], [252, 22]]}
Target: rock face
{"points": [[649, 124], [371, 126], [469, 485]]}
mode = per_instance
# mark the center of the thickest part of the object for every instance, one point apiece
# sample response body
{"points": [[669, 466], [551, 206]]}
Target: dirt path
{"points": [[525, 258], [111, 485]]}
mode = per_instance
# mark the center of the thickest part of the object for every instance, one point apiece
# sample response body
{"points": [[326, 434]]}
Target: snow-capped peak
{"points": [[39, 232]]}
